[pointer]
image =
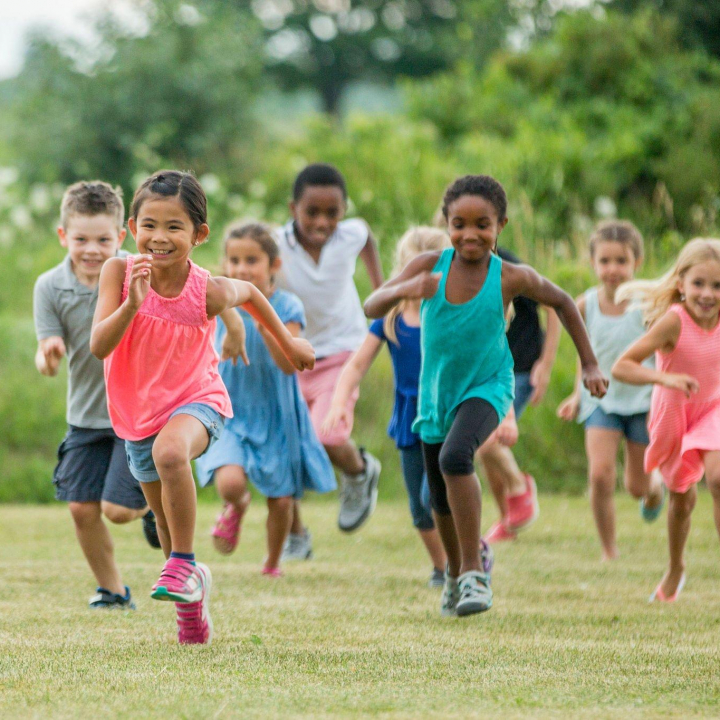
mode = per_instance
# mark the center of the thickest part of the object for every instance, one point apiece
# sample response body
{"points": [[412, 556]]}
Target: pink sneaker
{"points": [[498, 533], [275, 572], [226, 531], [523, 509], [179, 581], [193, 619]]}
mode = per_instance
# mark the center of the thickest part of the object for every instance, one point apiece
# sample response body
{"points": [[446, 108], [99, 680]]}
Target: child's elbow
{"points": [[617, 370], [96, 347], [370, 311]]}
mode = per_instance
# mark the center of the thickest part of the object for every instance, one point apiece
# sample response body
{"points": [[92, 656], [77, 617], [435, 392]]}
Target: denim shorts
{"points": [[523, 392], [633, 427], [139, 452]]}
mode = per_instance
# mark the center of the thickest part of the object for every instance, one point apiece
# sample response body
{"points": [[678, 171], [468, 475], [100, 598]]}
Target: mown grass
{"points": [[356, 632]]}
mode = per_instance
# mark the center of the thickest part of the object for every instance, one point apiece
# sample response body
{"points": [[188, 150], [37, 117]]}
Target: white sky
{"points": [[17, 16]]}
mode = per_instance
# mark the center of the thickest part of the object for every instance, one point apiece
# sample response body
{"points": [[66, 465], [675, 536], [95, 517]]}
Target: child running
{"points": [[270, 439], [92, 475], [466, 378], [319, 251], [400, 329], [616, 251], [682, 310], [154, 326]]}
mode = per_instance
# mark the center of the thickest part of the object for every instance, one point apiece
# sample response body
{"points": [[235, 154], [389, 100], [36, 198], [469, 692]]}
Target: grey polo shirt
{"points": [[65, 307]]}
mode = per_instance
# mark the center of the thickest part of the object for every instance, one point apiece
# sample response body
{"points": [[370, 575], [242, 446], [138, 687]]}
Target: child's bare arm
{"points": [[663, 335], [224, 293], [569, 407], [51, 350], [233, 344], [113, 317], [274, 349], [524, 280], [371, 257], [542, 369], [350, 378], [415, 281]]}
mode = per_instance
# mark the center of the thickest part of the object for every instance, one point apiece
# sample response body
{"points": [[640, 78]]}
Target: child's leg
{"points": [[475, 421], [637, 482], [502, 472], [297, 527], [97, 545], [183, 438], [601, 446], [712, 478], [441, 509], [415, 479], [153, 495], [232, 487], [278, 526], [680, 509]]}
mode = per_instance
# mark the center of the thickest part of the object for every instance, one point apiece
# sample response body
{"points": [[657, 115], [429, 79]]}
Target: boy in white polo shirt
{"points": [[319, 251]]}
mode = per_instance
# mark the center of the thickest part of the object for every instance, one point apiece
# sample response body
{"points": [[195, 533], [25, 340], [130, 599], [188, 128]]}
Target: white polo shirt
{"points": [[335, 319]]}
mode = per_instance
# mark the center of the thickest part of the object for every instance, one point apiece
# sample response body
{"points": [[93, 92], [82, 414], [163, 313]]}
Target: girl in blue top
{"points": [[270, 439], [466, 376], [401, 330]]}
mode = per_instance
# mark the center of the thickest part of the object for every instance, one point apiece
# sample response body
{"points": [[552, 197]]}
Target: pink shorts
{"points": [[317, 386]]}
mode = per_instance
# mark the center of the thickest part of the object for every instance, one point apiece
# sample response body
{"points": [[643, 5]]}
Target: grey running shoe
{"points": [[358, 496], [105, 599], [437, 578], [487, 556], [297, 547], [450, 596], [475, 593]]}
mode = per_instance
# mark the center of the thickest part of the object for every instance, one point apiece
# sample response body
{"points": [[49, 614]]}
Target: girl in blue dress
{"points": [[400, 329], [270, 440]]}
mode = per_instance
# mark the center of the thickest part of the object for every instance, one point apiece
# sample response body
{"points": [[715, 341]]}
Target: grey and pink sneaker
{"points": [[193, 619], [180, 581]]}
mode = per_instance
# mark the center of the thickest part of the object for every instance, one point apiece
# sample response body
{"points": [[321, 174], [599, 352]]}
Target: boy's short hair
{"points": [[319, 174], [93, 197]]}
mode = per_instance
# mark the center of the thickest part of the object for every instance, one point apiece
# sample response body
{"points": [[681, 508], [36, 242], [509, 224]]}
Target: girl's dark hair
{"points": [[318, 174], [257, 231], [482, 185], [174, 183]]}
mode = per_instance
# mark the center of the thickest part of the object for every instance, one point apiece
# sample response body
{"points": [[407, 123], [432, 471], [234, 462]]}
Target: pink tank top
{"points": [[165, 360]]}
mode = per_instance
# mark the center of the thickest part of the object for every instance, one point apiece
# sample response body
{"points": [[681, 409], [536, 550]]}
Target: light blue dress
{"points": [[270, 436]]}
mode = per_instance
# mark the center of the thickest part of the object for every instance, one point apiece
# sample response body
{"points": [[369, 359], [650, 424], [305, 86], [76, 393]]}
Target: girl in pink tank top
{"points": [[682, 309], [154, 327]]}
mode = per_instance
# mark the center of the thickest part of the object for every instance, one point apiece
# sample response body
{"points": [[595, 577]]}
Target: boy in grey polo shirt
{"points": [[92, 473]]}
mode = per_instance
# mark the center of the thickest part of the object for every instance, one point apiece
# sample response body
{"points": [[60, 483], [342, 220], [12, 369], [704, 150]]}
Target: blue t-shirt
{"points": [[405, 357]]}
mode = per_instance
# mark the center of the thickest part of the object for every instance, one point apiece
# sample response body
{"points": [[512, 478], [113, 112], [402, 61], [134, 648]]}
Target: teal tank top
{"points": [[465, 353]]}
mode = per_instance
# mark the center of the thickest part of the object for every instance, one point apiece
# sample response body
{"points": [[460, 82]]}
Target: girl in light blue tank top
{"points": [[621, 416], [466, 376]]}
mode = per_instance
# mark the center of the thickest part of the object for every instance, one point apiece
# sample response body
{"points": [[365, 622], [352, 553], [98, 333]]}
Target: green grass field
{"points": [[356, 632]]}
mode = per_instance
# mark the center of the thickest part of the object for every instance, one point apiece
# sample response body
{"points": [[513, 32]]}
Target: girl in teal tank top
{"points": [[466, 379]]}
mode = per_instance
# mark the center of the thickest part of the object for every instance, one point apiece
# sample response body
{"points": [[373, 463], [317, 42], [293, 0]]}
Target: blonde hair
{"points": [[656, 296], [619, 231], [414, 242]]}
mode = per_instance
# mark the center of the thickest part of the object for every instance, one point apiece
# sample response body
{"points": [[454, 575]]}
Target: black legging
{"points": [[474, 423]]}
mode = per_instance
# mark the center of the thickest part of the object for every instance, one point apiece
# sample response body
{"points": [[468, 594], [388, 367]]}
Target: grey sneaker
{"points": [[297, 547], [450, 596], [437, 578], [487, 556], [358, 496], [475, 593]]}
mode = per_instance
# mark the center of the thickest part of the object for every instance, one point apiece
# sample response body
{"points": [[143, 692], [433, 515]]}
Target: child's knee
{"points": [[85, 513], [456, 461], [683, 503], [169, 455], [637, 486], [603, 478], [118, 514], [282, 504]]}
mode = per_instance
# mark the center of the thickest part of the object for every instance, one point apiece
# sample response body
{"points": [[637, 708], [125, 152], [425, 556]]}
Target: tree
{"points": [[180, 92], [326, 44]]}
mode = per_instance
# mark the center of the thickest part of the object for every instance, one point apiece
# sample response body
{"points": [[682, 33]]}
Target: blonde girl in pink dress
{"points": [[682, 310], [154, 327]]}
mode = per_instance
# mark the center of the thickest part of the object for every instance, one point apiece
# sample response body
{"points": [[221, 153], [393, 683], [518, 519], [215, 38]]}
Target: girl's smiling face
{"points": [[614, 263], [701, 287], [163, 229], [246, 260], [473, 226]]}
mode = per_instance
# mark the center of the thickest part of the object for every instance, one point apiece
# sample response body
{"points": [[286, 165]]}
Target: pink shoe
{"points": [[660, 596], [523, 509], [498, 533], [226, 531], [193, 619], [179, 581], [275, 572]]}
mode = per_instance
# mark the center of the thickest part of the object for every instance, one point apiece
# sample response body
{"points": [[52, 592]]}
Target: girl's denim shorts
{"points": [[139, 452]]}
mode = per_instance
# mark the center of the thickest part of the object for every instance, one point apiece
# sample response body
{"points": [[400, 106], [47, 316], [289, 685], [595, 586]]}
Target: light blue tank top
{"points": [[465, 353], [610, 336]]}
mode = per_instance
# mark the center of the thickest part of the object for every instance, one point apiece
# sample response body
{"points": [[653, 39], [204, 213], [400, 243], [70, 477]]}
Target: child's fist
{"points": [[336, 416], [685, 383], [301, 354], [422, 286], [595, 381]]}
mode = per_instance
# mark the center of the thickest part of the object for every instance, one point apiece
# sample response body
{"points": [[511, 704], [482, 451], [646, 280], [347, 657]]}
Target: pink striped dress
{"points": [[682, 429], [165, 360]]}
